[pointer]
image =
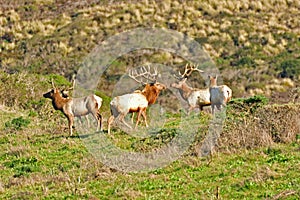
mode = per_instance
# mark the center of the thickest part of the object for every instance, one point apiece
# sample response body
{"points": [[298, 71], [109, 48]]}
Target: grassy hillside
{"points": [[257, 155], [254, 44]]}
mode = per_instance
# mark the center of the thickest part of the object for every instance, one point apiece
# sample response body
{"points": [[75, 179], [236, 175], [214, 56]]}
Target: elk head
{"points": [[213, 81], [52, 92], [151, 90]]}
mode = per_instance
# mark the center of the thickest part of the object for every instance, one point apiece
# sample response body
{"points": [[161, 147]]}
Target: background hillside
{"points": [[254, 44]]}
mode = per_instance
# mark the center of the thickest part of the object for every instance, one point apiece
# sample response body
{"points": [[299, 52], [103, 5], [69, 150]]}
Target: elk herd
{"points": [[215, 96]]}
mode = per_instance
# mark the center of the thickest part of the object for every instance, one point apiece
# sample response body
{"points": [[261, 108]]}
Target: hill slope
{"points": [[251, 42]]}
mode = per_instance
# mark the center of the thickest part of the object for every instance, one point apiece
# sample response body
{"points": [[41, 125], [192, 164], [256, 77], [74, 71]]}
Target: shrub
{"points": [[290, 68], [246, 61], [249, 104], [17, 123]]}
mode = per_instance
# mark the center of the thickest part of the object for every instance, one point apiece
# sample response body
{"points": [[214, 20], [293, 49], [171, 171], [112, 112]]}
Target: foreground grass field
{"points": [[254, 44], [38, 161]]}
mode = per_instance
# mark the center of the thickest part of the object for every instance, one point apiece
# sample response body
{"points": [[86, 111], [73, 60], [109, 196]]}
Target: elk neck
{"points": [[213, 82], [151, 93], [185, 91], [58, 101]]}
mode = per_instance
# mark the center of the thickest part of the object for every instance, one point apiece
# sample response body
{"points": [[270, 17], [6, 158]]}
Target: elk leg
{"points": [[212, 109], [110, 121], [190, 109], [138, 118], [87, 120], [80, 120], [100, 121], [98, 118], [145, 117], [132, 117], [121, 118], [70, 120], [201, 108]]}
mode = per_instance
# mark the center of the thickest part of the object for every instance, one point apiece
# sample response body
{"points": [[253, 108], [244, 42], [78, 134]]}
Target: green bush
{"points": [[17, 123], [290, 68], [59, 80], [246, 61], [248, 104]]}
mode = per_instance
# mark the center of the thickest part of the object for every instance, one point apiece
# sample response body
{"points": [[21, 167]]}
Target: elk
{"points": [[75, 107], [137, 101], [219, 95], [194, 97]]}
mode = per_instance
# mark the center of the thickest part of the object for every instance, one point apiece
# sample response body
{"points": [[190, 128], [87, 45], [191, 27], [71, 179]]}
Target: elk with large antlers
{"points": [[219, 95], [120, 106], [195, 97], [75, 107]]}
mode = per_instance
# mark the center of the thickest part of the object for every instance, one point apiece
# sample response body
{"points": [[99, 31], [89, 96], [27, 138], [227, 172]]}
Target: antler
{"points": [[73, 83], [143, 73], [189, 68], [52, 82]]}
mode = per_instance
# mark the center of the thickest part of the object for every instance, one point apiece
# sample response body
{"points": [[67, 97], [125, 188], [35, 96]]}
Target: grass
{"points": [[38, 161], [258, 152]]}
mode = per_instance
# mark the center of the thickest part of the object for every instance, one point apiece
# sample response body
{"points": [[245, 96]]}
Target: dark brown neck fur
{"points": [[151, 93], [58, 101]]}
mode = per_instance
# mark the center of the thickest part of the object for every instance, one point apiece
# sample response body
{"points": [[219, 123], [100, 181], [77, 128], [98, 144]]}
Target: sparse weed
{"points": [[17, 123]]}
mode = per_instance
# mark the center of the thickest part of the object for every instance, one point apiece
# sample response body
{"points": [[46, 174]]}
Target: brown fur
{"points": [[151, 92], [213, 81], [65, 105]]}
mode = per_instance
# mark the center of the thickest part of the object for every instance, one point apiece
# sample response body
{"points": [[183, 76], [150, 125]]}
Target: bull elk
{"points": [[138, 101], [219, 95], [193, 96], [75, 107]]}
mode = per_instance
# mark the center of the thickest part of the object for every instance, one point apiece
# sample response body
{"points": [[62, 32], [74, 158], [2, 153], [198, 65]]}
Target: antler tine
{"points": [[185, 71], [155, 71], [134, 74], [52, 82], [153, 75], [73, 83], [195, 68], [189, 68], [143, 72]]}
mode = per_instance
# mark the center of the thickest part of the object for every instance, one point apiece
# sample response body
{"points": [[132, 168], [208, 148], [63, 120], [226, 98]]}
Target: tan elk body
{"points": [[75, 107], [193, 96], [196, 98], [219, 95], [135, 102]]}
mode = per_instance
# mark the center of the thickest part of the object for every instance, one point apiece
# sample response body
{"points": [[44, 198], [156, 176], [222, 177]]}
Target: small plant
{"points": [[276, 156], [22, 166], [17, 123], [246, 61], [290, 68], [249, 104]]}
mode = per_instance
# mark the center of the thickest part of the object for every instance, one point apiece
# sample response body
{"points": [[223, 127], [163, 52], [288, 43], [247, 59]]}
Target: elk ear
{"points": [[65, 93]]}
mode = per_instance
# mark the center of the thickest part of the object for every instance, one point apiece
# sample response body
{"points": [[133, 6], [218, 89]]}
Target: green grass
{"points": [[38, 161]]}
